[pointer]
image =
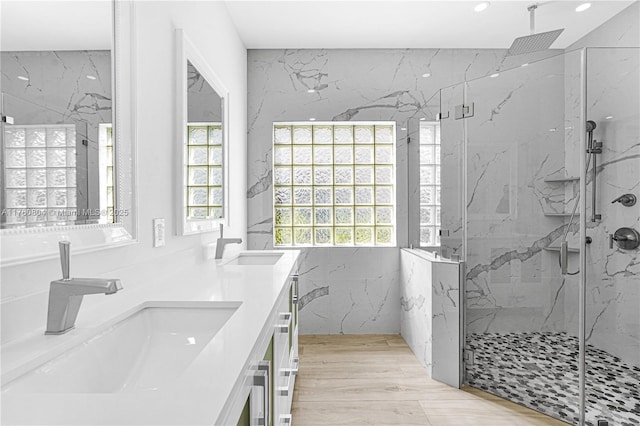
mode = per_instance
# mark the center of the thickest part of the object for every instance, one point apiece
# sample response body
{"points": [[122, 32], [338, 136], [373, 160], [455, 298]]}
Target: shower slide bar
{"points": [[593, 148]]}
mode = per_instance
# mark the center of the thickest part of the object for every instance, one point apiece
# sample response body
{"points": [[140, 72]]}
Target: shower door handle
{"points": [[564, 257]]}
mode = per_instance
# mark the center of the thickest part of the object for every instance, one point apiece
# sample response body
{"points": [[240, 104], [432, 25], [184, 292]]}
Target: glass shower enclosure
{"points": [[533, 200]]}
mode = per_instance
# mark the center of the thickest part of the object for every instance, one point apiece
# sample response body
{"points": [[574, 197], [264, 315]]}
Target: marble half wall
{"points": [[430, 318], [416, 315], [350, 85]]}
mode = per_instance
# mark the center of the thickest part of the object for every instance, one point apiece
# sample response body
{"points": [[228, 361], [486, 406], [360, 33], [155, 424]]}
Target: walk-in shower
{"points": [[552, 291]]}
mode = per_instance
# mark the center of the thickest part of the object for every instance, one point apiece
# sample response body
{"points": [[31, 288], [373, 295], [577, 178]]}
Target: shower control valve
{"points": [[626, 200], [625, 238]]}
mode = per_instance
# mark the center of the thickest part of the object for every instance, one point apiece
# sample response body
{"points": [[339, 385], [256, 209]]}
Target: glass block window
{"points": [[204, 171], [334, 184], [429, 184], [40, 174], [105, 160]]}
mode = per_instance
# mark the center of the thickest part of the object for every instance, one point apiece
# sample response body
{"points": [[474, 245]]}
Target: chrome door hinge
{"points": [[463, 111], [469, 356], [442, 115], [7, 119]]}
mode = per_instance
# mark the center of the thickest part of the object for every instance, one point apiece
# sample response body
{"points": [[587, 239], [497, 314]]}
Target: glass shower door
{"points": [[452, 178], [612, 327], [522, 183]]}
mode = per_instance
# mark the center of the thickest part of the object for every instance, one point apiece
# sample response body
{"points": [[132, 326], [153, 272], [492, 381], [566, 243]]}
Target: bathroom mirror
{"points": [[202, 134], [66, 137]]}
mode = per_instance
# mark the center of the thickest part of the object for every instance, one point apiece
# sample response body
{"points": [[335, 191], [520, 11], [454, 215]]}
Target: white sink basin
{"points": [[143, 352], [255, 259]]}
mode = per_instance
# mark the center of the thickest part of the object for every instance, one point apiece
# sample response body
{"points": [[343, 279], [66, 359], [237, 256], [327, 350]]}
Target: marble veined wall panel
{"points": [[416, 315], [431, 312], [613, 274], [349, 85], [515, 143], [344, 291]]}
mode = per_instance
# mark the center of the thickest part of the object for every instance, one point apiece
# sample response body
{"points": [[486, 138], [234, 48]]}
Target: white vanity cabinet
{"points": [[265, 392]]}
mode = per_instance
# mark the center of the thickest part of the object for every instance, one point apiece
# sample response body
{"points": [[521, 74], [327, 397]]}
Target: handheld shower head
{"points": [[591, 126]]}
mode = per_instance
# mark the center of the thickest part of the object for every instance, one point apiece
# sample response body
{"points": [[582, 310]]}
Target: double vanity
{"points": [[215, 343], [177, 340]]}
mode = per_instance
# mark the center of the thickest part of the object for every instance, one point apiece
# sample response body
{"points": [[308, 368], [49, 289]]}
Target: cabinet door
{"points": [[268, 361], [293, 308], [258, 408]]}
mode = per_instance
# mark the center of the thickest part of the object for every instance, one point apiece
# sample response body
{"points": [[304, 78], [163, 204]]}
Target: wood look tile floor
{"points": [[377, 380]]}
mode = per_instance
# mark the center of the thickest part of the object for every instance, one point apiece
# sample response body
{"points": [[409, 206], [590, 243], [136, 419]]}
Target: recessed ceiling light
{"points": [[583, 7], [426, 75], [91, 77], [481, 6], [608, 117], [494, 75], [312, 119], [23, 78], [525, 65], [311, 91], [422, 119]]}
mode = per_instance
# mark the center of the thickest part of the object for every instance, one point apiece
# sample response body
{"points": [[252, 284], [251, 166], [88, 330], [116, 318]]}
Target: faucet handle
{"points": [[627, 200], [65, 255]]}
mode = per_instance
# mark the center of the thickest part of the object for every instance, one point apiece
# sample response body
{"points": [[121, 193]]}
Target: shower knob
{"points": [[626, 200], [625, 238]]}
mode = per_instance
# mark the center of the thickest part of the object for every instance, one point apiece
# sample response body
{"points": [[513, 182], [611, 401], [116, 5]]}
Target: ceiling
{"points": [[55, 25], [335, 24], [264, 24]]}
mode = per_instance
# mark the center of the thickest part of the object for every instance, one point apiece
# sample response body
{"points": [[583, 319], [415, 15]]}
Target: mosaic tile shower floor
{"points": [[540, 371]]}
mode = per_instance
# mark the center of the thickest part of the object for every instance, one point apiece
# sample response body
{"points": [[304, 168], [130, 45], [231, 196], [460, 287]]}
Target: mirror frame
{"points": [[186, 51], [26, 245]]}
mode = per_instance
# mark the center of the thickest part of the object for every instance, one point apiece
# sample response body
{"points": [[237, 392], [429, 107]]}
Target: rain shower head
{"points": [[534, 42]]}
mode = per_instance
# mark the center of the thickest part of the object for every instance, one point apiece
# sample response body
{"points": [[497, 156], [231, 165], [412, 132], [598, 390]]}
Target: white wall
{"points": [[620, 31], [25, 288]]}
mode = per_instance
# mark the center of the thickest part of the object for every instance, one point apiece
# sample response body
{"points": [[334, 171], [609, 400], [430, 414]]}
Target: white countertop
{"points": [[199, 395]]}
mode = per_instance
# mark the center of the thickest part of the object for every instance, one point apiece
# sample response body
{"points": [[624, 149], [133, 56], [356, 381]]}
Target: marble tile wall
{"points": [[70, 87], [350, 85], [514, 142], [349, 291], [613, 274]]}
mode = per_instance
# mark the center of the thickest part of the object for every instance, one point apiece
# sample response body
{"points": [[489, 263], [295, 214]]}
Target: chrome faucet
{"points": [[222, 242], [65, 295]]}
